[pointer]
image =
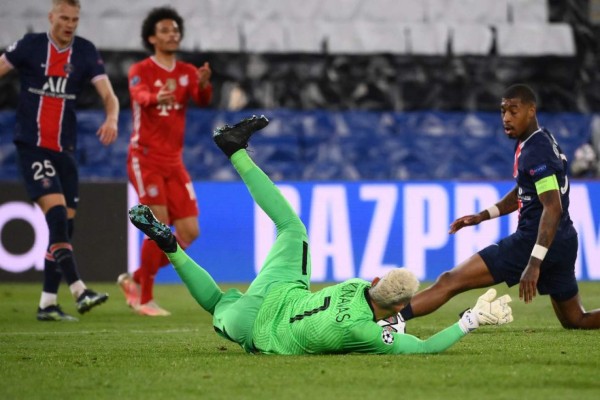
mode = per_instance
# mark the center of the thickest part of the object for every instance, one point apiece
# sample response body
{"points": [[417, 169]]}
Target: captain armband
{"points": [[546, 184]]}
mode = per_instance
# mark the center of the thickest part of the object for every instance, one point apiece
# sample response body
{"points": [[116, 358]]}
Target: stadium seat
{"points": [[340, 11], [213, 35], [469, 11], [536, 40], [471, 39], [529, 11], [427, 39], [393, 11], [264, 36]]}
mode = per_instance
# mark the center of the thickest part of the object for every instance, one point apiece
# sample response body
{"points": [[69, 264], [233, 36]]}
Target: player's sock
{"points": [[150, 263], [264, 192], [48, 299], [200, 284], [59, 243], [52, 277], [164, 261], [407, 312], [63, 254], [77, 288]]}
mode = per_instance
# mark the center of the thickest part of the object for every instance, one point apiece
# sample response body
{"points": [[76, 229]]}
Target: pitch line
{"points": [[186, 330]]}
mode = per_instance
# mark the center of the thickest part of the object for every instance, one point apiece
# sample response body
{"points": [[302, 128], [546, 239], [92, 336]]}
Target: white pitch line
{"points": [[96, 332]]}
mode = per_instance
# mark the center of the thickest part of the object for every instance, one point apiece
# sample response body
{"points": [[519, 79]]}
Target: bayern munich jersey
{"points": [[158, 129], [538, 157], [51, 79], [337, 319]]}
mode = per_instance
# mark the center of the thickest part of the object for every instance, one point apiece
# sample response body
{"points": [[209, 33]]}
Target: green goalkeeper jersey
{"points": [[337, 319]]}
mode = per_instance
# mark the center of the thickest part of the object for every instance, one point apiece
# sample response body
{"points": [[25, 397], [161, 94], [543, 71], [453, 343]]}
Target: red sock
{"points": [[151, 258]]}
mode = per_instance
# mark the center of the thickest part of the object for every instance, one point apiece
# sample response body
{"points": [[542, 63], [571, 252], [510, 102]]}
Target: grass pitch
{"points": [[112, 353]]}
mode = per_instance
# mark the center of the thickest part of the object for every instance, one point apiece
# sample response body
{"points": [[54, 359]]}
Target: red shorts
{"points": [[163, 185]]}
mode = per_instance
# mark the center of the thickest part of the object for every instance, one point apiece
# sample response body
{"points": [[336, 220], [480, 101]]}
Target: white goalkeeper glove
{"points": [[487, 311]]}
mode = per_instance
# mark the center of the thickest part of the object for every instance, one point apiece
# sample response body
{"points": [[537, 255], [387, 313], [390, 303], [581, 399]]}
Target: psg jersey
{"points": [[51, 79], [538, 157]]}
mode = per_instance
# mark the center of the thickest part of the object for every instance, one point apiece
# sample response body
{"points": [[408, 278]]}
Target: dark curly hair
{"points": [[521, 91], [155, 16]]}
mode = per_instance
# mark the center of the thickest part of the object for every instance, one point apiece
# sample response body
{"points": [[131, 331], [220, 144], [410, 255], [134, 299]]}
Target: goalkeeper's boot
{"points": [[141, 216], [130, 289], [233, 138], [54, 313], [90, 299]]}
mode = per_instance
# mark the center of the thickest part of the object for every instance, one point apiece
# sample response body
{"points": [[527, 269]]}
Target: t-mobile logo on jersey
{"points": [[165, 108]]}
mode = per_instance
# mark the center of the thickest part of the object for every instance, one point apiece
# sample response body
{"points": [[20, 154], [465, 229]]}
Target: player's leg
{"points": [[39, 176], [471, 274], [86, 299], [149, 183], [557, 278], [289, 259], [200, 284], [572, 315], [183, 206], [501, 262]]}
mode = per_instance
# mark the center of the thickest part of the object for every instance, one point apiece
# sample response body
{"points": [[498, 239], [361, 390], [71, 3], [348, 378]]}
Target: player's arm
{"points": [[508, 204], [5, 66], [372, 338], [109, 129], [548, 193]]}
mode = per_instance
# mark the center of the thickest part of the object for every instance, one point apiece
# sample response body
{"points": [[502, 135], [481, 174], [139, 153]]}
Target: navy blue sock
{"points": [[58, 226], [70, 228], [407, 312], [66, 262], [52, 276]]}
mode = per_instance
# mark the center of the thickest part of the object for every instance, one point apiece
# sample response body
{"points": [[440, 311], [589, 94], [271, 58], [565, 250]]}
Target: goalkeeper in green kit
{"points": [[279, 314]]}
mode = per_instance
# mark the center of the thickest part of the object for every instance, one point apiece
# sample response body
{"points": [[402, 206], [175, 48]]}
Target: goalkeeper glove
{"points": [[487, 311]]}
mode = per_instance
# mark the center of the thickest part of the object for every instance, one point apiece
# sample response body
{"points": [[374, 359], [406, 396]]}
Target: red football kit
{"points": [[155, 165]]}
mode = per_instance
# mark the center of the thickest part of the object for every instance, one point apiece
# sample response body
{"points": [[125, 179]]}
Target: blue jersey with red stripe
{"points": [[51, 79], [538, 157]]}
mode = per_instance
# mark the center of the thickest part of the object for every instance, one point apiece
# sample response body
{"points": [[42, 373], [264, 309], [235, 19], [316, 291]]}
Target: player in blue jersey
{"points": [[53, 68], [540, 256]]}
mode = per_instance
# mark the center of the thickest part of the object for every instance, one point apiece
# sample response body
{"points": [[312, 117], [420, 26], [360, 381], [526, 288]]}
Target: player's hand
{"points": [[529, 279], [204, 73], [166, 95], [487, 311], [467, 220], [107, 133]]}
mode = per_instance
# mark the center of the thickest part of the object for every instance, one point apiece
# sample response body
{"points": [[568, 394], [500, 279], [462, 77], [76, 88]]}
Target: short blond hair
{"points": [[397, 286]]}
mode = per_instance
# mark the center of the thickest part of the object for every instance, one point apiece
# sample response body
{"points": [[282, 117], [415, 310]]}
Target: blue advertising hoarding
{"points": [[361, 229]]}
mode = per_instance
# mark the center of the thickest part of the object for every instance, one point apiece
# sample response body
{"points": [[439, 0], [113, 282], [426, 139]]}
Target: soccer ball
{"points": [[395, 323]]}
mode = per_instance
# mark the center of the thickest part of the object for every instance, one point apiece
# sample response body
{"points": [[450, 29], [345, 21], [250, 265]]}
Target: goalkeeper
{"points": [[279, 314]]}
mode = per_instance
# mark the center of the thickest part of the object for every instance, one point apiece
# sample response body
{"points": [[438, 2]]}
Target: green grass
{"points": [[113, 354]]}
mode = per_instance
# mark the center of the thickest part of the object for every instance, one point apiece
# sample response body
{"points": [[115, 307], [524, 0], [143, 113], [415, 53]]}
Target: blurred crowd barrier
{"points": [[325, 145]]}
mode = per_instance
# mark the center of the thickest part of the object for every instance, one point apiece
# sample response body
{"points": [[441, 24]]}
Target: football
{"points": [[395, 323]]}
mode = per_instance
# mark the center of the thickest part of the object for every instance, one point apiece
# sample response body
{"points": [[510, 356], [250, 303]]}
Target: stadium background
{"points": [[374, 104]]}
